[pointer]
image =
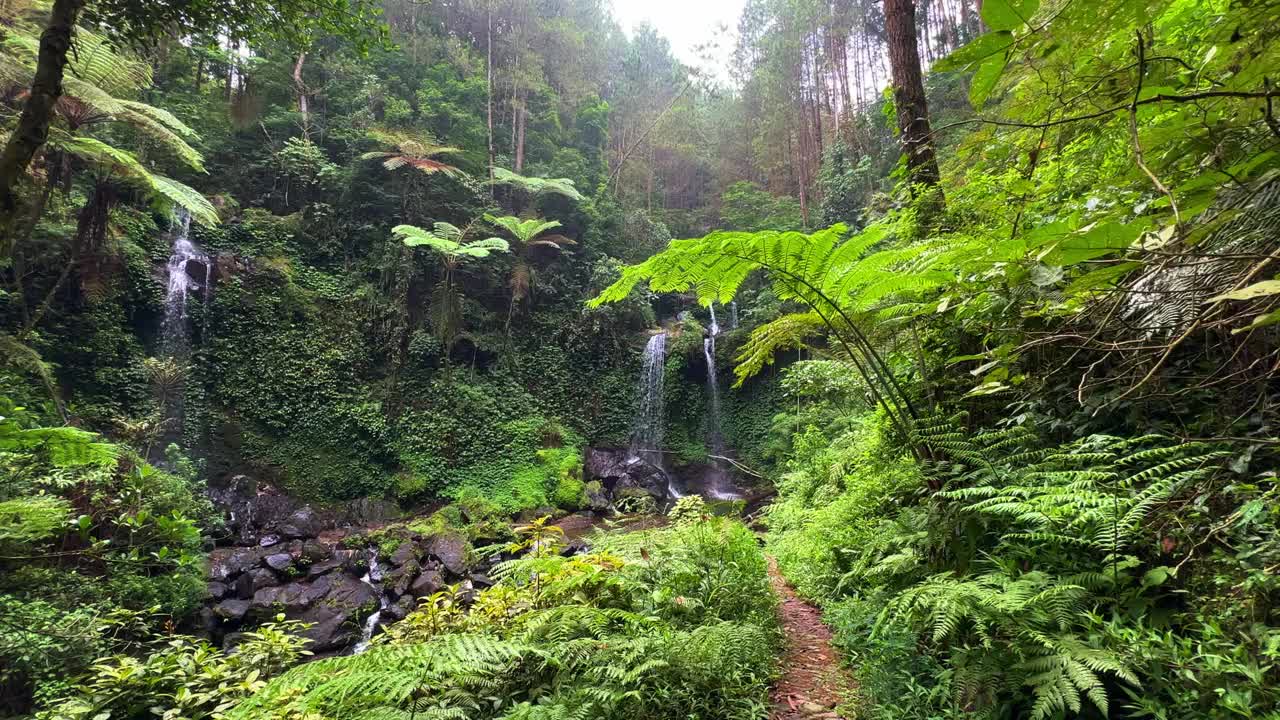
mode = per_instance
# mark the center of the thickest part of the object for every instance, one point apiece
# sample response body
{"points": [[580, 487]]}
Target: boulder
{"points": [[481, 580], [253, 581], [217, 590], [428, 583], [331, 628], [397, 579], [231, 609], [325, 566], [400, 609], [314, 551], [404, 553], [280, 562], [269, 540], [226, 563], [620, 469], [302, 523], [451, 550], [289, 599]]}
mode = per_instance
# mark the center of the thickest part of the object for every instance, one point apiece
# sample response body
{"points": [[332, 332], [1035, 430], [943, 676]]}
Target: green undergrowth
{"points": [[1018, 577], [671, 623]]}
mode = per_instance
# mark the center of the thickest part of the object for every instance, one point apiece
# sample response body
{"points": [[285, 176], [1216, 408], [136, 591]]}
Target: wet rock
{"points": [[226, 563], [289, 599], [253, 581], [401, 608], [597, 499], [404, 553], [331, 628], [314, 551], [280, 562], [217, 590], [231, 609], [302, 523], [619, 470], [269, 540], [206, 621], [426, 584], [398, 579], [326, 566], [451, 550], [481, 580]]}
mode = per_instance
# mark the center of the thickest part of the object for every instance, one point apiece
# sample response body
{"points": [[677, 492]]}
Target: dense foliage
{"points": [[997, 280]]}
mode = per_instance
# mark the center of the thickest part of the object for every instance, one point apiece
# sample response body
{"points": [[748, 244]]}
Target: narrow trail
{"points": [[812, 682]]}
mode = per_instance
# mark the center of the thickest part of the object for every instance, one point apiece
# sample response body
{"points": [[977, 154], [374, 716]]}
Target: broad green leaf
{"points": [[985, 79], [1256, 290], [986, 46], [1094, 242], [1008, 14], [1260, 321]]}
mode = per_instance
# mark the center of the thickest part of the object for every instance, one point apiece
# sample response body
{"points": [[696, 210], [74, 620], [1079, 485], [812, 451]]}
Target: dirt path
{"points": [[812, 681]]}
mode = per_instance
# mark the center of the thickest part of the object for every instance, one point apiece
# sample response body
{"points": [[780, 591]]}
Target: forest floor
{"points": [[812, 682]]}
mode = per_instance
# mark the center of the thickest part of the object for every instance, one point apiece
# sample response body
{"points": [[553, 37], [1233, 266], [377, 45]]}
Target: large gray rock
{"points": [[428, 583], [231, 609], [302, 523], [619, 470], [226, 563], [253, 581], [404, 553], [451, 550], [280, 562]]}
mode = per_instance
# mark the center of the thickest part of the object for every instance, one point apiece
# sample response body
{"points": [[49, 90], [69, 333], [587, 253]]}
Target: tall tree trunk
{"points": [[908, 91], [302, 94], [521, 115], [489, 86], [33, 125]]}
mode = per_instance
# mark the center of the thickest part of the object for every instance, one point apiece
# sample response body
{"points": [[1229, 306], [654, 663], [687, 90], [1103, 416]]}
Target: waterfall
{"points": [[175, 333], [646, 434], [718, 485], [372, 578], [733, 314], [713, 386]]}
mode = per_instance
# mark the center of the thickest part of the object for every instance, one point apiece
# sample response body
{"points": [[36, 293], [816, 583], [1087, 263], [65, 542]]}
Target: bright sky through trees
{"points": [[702, 32]]}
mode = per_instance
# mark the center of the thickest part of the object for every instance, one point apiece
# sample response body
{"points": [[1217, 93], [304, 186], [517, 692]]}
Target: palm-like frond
{"points": [[526, 230], [126, 166], [535, 185], [445, 240], [411, 150], [785, 332]]}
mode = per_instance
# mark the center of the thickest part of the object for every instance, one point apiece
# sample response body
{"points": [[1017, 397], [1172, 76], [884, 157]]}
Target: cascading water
{"points": [[713, 385], [372, 578], [646, 433], [175, 333], [717, 478], [733, 314]]}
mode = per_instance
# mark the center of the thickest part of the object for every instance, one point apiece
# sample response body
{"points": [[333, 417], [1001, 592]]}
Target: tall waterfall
{"points": [[183, 260], [646, 435], [713, 386], [718, 484], [733, 314]]}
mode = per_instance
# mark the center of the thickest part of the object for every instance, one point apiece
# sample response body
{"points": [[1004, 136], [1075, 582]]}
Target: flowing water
{"points": [[646, 434], [185, 261], [372, 578], [733, 315], [718, 484], [713, 386]]}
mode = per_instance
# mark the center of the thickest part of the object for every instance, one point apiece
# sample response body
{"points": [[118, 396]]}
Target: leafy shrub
{"points": [[672, 623]]}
